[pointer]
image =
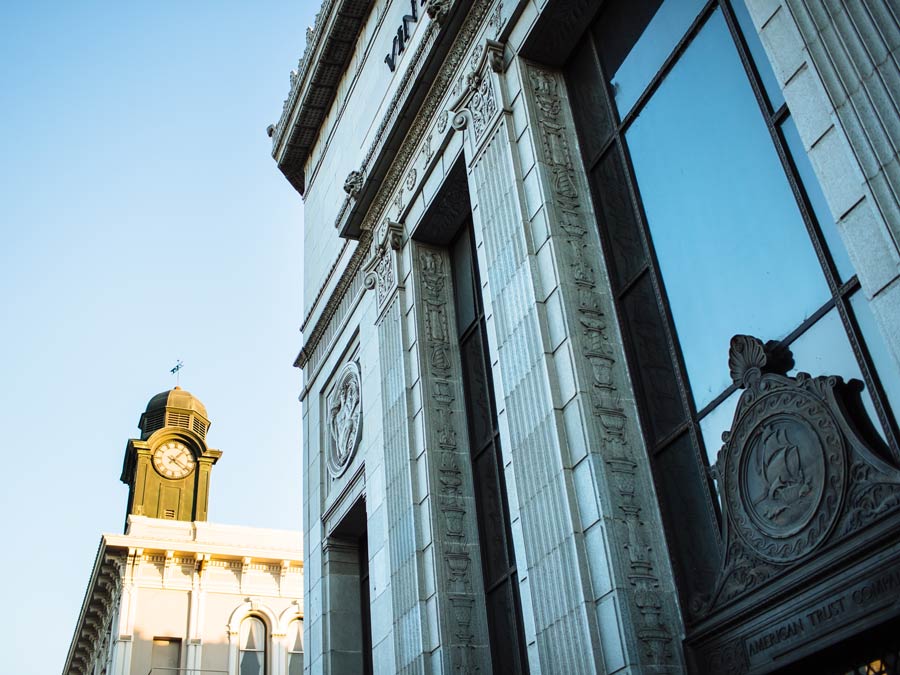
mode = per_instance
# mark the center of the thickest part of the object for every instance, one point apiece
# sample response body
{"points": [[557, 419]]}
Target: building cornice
{"points": [[358, 216], [329, 46]]}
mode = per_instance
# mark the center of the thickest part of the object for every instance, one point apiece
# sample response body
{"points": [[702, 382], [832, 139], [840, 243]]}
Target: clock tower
{"points": [[167, 469]]}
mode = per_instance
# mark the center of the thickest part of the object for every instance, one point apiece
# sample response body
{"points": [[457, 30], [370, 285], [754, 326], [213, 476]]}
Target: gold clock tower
{"points": [[167, 469]]}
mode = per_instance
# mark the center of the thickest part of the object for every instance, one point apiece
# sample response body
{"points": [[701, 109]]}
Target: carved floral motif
{"points": [[344, 419]]}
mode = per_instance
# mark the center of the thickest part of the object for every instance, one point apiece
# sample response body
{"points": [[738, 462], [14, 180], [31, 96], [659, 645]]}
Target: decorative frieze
{"points": [[455, 533]]}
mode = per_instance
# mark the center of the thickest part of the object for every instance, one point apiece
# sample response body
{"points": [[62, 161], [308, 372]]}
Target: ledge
{"points": [[314, 85]]}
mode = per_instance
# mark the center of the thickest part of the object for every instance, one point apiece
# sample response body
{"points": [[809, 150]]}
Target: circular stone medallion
{"points": [[784, 475], [344, 419]]}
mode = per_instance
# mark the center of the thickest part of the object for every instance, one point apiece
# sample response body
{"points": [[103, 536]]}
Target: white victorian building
{"points": [[601, 335], [176, 595]]}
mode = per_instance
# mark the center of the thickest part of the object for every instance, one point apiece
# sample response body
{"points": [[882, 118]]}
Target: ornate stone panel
{"points": [[344, 419], [381, 270], [455, 533], [794, 474], [623, 487]]}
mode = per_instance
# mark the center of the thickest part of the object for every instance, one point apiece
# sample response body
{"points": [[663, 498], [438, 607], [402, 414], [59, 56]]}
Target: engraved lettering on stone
{"points": [[344, 419]]}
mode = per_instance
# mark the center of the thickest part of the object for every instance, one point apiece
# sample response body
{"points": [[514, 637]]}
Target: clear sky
{"points": [[143, 221]]}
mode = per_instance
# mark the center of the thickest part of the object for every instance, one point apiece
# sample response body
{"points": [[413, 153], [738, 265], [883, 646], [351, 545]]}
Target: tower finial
{"points": [[176, 371]]}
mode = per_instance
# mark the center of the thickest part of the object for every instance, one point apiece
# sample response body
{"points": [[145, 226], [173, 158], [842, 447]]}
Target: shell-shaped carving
{"points": [[746, 359]]}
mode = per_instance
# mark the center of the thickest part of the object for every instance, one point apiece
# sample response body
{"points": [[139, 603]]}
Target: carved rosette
{"points": [[344, 409], [794, 474], [382, 269], [592, 338]]}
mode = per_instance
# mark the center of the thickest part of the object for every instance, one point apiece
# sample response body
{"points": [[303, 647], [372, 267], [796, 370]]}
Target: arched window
{"points": [[253, 647], [295, 647]]}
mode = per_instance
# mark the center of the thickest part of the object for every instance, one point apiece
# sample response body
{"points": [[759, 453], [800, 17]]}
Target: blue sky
{"points": [[143, 221]]}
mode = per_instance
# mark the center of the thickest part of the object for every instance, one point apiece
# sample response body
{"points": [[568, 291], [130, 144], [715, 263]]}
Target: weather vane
{"points": [[176, 371]]}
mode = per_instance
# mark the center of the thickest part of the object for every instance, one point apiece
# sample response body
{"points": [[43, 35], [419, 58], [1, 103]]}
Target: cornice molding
{"points": [[329, 46], [437, 93]]}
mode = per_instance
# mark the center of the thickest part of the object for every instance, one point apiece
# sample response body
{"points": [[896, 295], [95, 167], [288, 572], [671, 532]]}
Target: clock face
{"points": [[173, 460]]}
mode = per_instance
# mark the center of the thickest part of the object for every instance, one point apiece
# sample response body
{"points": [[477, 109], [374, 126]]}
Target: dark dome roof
{"points": [[174, 408], [176, 398]]}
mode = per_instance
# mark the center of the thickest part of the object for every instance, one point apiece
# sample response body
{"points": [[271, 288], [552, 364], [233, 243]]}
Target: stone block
{"points": [[534, 197], [784, 45], [610, 637], [870, 247], [523, 26], [525, 148], [547, 274], [585, 493], [565, 386], [837, 172], [598, 560], [809, 106], [762, 10]]}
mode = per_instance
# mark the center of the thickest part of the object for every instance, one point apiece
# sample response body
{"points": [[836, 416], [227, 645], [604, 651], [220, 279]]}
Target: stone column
{"points": [[383, 276], [596, 587]]}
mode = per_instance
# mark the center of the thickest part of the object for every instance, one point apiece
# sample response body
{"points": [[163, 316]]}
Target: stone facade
{"points": [[473, 120], [191, 584]]}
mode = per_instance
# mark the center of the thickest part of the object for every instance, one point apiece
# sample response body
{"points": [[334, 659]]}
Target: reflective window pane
{"points": [[734, 252], [463, 283], [659, 39], [817, 200], [690, 519], [588, 99], [758, 53], [885, 364], [617, 218], [653, 363], [715, 422], [478, 409], [825, 350]]}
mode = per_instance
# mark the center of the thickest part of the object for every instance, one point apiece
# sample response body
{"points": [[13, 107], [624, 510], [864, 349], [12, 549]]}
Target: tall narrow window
{"points": [[501, 581], [295, 647], [253, 646]]}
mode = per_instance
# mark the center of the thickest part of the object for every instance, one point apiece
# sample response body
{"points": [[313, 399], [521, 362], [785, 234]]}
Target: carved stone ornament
{"points": [[344, 419], [793, 473], [353, 184]]}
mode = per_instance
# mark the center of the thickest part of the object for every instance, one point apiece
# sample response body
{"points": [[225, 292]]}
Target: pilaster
{"points": [[597, 591], [385, 279], [454, 555]]}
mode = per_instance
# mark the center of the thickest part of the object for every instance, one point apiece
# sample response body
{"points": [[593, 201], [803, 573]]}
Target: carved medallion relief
{"points": [[794, 473], [344, 419]]}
